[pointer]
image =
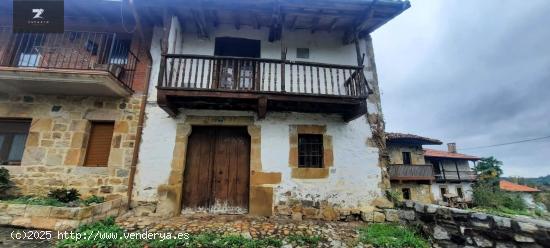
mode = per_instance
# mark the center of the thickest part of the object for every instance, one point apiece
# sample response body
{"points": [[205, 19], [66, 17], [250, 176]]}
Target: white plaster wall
{"points": [[451, 188], [324, 47], [354, 179], [528, 199]]}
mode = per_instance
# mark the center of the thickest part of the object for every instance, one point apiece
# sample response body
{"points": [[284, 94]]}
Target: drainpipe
{"points": [[141, 119], [139, 131]]}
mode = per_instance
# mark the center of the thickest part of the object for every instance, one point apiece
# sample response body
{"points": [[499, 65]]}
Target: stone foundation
{"points": [[56, 144], [58, 218], [380, 211], [451, 227]]}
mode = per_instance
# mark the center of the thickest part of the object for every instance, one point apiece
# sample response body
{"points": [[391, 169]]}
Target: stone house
{"points": [[428, 175], [453, 173], [409, 173], [70, 102], [242, 106], [263, 107]]}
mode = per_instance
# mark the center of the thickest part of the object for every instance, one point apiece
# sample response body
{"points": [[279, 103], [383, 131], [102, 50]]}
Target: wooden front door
{"points": [[217, 170]]}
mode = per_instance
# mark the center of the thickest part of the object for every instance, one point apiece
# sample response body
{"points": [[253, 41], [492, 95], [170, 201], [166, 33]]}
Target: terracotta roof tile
{"points": [[510, 186], [412, 137], [445, 154]]}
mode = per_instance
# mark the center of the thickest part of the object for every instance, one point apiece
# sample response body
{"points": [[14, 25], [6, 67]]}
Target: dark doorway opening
{"points": [[237, 47], [237, 73]]}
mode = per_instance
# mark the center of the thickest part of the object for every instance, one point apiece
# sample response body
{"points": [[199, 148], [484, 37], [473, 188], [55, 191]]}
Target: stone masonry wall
{"points": [[58, 218], [451, 227], [56, 144]]}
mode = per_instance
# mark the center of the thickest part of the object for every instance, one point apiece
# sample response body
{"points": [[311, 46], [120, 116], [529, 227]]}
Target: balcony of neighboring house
{"points": [[455, 176], [79, 63], [407, 172]]}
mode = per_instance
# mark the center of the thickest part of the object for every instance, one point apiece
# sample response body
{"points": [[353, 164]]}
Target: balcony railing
{"points": [[411, 172], [453, 175], [199, 72], [71, 50]]}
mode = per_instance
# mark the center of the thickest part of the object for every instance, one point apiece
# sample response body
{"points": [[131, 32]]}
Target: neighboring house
{"points": [[453, 174], [409, 173], [263, 107], [525, 192], [70, 102]]}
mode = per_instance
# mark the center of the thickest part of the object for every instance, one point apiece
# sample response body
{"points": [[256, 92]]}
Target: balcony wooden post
{"points": [[457, 172], [162, 69], [283, 62]]}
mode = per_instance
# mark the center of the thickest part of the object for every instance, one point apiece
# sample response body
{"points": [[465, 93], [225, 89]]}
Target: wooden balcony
{"points": [[411, 172], [70, 63], [456, 176], [261, 85]]}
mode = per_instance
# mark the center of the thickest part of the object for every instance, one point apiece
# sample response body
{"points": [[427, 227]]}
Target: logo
{"points": [[38, 13], [38, 16]]}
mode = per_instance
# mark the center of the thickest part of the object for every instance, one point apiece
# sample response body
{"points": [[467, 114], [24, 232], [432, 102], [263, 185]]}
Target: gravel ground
{"points": [[333, 234]]}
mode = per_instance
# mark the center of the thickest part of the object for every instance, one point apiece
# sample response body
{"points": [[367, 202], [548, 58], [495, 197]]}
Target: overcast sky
{"points": [[472, 72]]}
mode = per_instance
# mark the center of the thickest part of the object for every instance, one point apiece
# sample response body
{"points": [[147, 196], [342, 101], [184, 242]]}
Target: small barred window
{"points": [[310, 150]]}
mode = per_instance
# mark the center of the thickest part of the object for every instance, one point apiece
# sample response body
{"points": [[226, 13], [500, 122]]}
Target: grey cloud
{"points": [[473, 72]]}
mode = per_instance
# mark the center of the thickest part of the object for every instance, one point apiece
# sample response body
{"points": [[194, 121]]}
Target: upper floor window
{"points": [[310, 150], [13, 136], [99, 144], [406, 158], [302, 53]]}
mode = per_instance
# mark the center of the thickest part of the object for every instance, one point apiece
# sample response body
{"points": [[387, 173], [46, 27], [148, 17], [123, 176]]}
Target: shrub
{"points": [[391, 236], [486, 195], [514, 202], [64, 195], [394, 196], [5, 183]]}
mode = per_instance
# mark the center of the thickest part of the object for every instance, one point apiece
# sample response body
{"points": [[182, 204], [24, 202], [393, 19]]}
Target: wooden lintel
{"points": [[262, 107]]}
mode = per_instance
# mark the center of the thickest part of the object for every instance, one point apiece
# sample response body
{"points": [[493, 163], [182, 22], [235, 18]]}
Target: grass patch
{"points": [[49, 201], [200, 240], [507, 212], [302, 240], [391, 236]]}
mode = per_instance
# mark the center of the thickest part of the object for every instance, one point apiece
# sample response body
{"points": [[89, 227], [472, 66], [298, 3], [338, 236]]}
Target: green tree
{"points": [[488, 169], [5, 183]]}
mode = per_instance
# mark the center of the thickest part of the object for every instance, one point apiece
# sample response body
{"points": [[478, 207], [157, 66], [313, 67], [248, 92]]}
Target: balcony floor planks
{"points": [[171, 99]]}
